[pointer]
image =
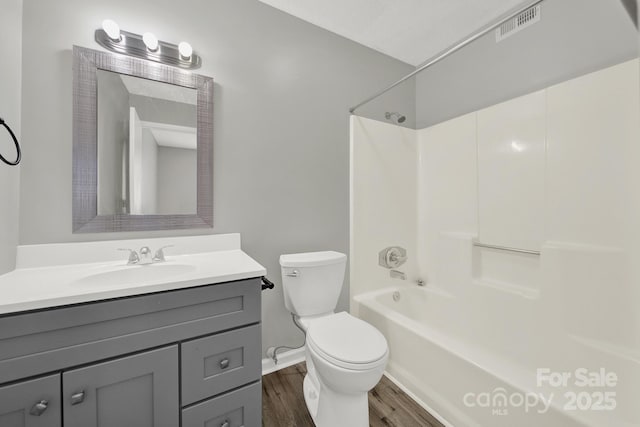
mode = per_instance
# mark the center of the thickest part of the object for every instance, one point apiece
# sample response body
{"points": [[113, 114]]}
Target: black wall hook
{"points": [[15, 141]]}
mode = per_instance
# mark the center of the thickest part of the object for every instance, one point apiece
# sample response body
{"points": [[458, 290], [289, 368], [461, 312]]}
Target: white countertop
{"points": [[39, 283]]}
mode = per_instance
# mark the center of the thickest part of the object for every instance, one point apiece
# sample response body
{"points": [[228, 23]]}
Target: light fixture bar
{"points": [[132, 44]]}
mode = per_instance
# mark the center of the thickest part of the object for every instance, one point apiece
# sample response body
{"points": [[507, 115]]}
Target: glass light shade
{"points": [[151, 41], [112, 29], [185, 49]]}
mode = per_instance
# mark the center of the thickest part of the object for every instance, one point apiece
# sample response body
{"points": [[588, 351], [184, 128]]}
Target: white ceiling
{"points": [[409, 30], [172, 136]]}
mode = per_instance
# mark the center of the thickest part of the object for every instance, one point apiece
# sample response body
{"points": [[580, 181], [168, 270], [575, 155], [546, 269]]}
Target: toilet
{"points": [[345, 356]]}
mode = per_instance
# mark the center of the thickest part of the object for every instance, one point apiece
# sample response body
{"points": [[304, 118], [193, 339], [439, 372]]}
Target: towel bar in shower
{"points": [[506, 249]]}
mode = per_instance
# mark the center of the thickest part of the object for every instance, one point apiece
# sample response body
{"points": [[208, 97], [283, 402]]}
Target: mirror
{"points": [[142, 145], [146, 146]]}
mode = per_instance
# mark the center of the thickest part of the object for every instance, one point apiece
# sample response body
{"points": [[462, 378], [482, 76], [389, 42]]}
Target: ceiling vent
{"points": [[518, 23]]}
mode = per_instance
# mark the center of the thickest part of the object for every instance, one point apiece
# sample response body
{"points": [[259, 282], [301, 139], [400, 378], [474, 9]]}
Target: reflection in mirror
{"points": [[147, 146]]}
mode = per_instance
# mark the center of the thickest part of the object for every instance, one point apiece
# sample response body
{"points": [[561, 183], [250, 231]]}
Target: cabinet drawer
{"points": [[239, 408], [18, 403], [44, 341], [220, 362]]}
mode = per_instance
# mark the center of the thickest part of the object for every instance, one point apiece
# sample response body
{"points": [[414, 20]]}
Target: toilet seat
{"points": [[347, 342]]}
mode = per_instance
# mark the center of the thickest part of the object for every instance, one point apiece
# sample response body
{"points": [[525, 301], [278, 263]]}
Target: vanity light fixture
{"points": [[146, 46]]}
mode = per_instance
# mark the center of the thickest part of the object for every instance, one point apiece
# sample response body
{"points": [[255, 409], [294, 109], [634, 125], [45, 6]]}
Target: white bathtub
{"points": [[473, 369]]}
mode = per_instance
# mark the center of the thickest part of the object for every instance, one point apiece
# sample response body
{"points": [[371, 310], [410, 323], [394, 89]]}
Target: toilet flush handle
{"points": [[293, 273]]}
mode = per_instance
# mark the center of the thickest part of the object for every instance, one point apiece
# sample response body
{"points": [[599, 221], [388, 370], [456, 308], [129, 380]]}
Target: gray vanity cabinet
{"points": [[135, 391], [34, 403], [186, 357]]}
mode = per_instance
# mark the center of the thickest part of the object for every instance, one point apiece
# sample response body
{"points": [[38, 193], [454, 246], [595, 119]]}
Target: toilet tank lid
{"points": [[312, 259]]}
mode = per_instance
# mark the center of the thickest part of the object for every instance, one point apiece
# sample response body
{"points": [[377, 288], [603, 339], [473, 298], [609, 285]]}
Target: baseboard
{"points": [[285, 359], [419, 401]]}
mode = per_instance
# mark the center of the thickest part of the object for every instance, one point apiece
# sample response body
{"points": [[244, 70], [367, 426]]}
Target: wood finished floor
{"points": [[283, 403]]}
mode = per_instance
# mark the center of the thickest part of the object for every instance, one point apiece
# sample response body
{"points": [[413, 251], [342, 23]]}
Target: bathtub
{"points": [[469, 368]]}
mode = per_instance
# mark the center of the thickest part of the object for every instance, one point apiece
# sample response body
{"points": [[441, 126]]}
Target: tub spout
{"points": [[395, 274], [421, 282]]}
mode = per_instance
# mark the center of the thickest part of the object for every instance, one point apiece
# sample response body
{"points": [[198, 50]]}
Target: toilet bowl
{"points": [[345, 356]]}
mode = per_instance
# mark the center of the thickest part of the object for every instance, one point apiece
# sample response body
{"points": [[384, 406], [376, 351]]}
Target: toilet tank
{"points": [[312, 281]]}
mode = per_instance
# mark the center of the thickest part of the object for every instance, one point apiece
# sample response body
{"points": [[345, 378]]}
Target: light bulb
{"points": [[112, 29], [185, 50], [150, 41]]}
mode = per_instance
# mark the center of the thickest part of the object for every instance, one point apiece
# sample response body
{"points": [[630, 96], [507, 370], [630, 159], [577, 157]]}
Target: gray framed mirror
{"points": [[142, 145]]}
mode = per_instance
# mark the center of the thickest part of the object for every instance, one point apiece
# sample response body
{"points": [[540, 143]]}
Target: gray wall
{"points": [[177, 181], [148, 172], [573, 38], [281, 149], [632, 10], [395, 100], [10, 81], [113, 134]]}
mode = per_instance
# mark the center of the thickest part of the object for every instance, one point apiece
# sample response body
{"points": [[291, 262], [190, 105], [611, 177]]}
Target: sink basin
{"points": [[135, 274]]}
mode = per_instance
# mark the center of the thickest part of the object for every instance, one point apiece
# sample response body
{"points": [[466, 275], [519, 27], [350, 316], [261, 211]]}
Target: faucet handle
{"points": [[159, 256], [392, 257], [133, 256]]}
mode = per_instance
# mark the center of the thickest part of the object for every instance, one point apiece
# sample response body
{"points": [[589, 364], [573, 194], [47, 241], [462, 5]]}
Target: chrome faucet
{"points": [[144, 257]]}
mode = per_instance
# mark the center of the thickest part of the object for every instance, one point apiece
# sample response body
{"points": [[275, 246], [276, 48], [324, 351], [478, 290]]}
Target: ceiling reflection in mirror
{"points": [[147, 146]]}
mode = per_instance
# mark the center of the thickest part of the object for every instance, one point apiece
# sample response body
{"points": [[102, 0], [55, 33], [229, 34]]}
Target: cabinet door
{"points": [[34, 403], [135, 391]]}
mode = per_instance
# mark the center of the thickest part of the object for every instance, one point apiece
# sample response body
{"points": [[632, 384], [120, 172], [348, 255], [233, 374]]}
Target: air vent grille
{"points": [[518, 23]]}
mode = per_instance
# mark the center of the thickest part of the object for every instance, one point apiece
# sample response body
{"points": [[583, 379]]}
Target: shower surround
{"points": [[548, 336]]}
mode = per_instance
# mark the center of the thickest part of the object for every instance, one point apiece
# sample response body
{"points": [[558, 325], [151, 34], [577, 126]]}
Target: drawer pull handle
{"points": [[77, 398], [39, 408], [225, 423], [224, 363]]}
